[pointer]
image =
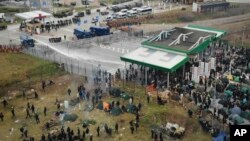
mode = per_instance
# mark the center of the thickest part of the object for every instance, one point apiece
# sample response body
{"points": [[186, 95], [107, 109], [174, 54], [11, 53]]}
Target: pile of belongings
{"points": [[52, 123], [174, 130], [206, 126], [88, 107], [87, 122], [74, 102]]}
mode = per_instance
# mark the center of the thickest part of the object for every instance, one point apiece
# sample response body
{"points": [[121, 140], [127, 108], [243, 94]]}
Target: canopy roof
{"points": [[190, 39], [32, 15], [165, 60]]}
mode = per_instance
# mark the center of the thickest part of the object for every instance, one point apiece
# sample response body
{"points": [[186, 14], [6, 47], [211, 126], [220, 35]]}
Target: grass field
{"points": [[176, 16], [235, 31], [152, 114], [18, 67]]}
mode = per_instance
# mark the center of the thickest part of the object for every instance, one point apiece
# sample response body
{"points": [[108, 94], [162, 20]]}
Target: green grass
{"points": [[12, 10], [158, 115], [151, 114], [16, 67]]}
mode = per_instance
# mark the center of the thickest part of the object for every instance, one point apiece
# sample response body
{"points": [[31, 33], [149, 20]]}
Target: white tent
{"points": [[32, 15]]}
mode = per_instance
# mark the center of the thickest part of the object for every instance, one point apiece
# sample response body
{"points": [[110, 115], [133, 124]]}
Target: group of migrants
{"points": [[232, 93]]}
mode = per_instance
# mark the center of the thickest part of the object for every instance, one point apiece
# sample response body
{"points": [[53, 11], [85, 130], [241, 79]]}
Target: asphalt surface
{"points": [[84, 56]]}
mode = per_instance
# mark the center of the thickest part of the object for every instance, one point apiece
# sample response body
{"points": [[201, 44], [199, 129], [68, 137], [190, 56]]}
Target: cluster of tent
{"points": [[116, 92], [227, 107], [116, 110]]}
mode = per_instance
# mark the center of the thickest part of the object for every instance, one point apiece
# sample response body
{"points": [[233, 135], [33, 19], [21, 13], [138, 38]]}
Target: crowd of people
{"points": [[229, 60]]}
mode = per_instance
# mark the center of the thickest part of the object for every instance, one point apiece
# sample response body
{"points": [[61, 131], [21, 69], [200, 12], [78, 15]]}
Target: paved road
{"points": [[88, 54]]}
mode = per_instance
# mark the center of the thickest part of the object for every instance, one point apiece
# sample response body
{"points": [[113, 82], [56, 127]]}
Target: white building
{"points": [[238, 1]]}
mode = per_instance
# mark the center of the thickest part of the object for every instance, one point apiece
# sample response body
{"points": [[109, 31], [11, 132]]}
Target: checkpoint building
{"points": [[172, 49]]}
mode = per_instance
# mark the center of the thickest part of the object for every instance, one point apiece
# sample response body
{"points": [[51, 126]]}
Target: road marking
{"points": [[118, 49], [127, 51], [123, 50], [113, 48]]}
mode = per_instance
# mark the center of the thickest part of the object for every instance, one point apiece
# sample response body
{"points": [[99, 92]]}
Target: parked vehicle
{"points": [[145, 10], [26, 41], [99, 31], [109, 18], [132, 13], [104, 13], [80, 14], [93, 31], [88, 11], [81, 34], [121, 15], [124, 10]]}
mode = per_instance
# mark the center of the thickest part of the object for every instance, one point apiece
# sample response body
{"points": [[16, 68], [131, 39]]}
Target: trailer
{"points": [[26, 41], [81, 34], [99, 31]]}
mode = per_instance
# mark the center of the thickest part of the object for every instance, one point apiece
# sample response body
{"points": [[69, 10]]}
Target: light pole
{"points": [[243, 29]]}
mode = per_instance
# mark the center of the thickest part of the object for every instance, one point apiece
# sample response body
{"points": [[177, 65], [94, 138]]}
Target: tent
{"points": [[237, 79], [100, 106], [116, 92], [116, 111], [70, 117], [131, 108], [245, 114], [125, 96], [106, 106], [244, 89], [228, 93], [236, 119], [230, 77], [235, 110]]}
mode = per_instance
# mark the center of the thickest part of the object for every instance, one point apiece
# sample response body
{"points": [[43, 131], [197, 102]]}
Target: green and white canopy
{"points": [[165, 60]]}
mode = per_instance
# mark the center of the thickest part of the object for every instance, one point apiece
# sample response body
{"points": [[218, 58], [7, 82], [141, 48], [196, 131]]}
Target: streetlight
{"points": [[243, 29]]}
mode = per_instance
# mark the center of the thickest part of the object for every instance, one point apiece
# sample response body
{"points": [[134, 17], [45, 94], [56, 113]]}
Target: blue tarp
{"points": [[220, 137]]}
